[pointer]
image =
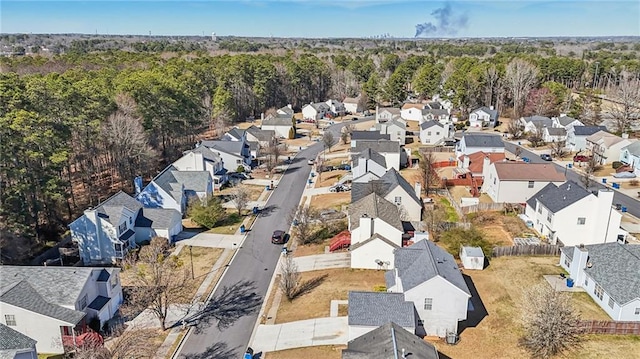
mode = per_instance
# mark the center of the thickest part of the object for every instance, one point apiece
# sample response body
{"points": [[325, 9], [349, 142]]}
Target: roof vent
{"points": [[569, 187], [564, 198], [589, 265], [364, 215]]}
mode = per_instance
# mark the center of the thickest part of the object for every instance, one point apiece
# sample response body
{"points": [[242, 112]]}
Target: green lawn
{"points": [[452, 215]]}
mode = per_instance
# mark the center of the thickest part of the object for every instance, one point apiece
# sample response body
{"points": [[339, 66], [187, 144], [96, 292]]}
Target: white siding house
{"points": [[554, 134], [606, 147], [315, 111], [394, 155], [571, 215], [173, 189], [433, 133], [535, 123], [233, 153], [476, 142], [396, 129], [203, 159], [516, 182], [336, 107], [430, 278], [281, 125], [353, 105], [609, 273], [483, 117], [384, 114], [577, 136], [368, 161], [630, 155]]}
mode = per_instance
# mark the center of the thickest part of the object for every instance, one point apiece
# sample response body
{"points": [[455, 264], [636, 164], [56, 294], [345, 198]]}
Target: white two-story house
{"points": [[204, 159], [384, 114], [315, 111], [368, 165], [395, 189], [483, 117], [577, 136], [394, 155], [433, 132], [396, 129], [516, 182], [630, 155], [605, 147], [336, 107], [233, 153], [478, 142]]}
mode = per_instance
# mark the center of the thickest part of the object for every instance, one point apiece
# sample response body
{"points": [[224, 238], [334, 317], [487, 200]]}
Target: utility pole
{"points": [[191, 256]]}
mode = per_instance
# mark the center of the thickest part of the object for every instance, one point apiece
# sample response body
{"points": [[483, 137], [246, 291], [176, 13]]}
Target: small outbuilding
{"points": [[472, 258]]}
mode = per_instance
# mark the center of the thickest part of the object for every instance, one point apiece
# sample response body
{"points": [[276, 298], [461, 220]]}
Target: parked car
{"points": [[327, 168], [581, 158], [546, 157], [310, 162], [339, 188], [354, 119], [344, 167], [278, 237]]}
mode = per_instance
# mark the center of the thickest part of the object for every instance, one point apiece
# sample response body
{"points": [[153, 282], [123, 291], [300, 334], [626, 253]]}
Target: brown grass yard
{"points": [[254, 191], [331, 200], [337, 284], [319, 352], [310, 249], [326, 179]]}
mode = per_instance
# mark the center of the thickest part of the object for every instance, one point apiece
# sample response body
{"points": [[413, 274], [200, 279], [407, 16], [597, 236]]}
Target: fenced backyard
{"points": [[483, 207], [609, 327], [527, 250]]}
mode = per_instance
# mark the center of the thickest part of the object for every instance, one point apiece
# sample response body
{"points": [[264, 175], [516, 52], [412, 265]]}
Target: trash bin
{"points": [[313, 174], [569, 282], [570, 165], [295, 222], [616, 185], [604, 180], [242, 229], [255, 210], [267, 188], [623, 209]]}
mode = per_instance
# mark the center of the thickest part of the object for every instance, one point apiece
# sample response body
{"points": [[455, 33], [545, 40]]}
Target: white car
{"points": [[310, 162]]}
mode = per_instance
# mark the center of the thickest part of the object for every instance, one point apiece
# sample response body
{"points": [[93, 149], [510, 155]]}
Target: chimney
{"points": [[262, 116], [491, 107], [563, 115], [366, 228], [465, 161], [289, 106], [625, 135], [137, 184], [580, 261], [418, 188]]}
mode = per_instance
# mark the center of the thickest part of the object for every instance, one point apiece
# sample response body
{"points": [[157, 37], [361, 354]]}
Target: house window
{"points": [[582, 221], [10, 319], [494, 181], [238, 162], [122, 227], [637, 311], [428, 133], [549, 216], [610, 302], [437, 133], [540, 209], [598, 291], [567, 262], [428, 303], [586, 282], [114, 281], [130, 220], [83, 302], [530, 185], [397, 200]]}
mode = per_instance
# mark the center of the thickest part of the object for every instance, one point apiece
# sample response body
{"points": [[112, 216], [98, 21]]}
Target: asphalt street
{"points": [[228, 319], [633, 206]]}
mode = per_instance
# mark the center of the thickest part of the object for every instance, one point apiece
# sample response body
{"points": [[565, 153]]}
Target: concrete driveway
{"points": [[323, 261], [210, 240], [299, 334]]}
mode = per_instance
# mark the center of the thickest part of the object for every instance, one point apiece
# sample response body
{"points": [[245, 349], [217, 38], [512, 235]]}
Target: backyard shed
{"points": [[472, 258]]}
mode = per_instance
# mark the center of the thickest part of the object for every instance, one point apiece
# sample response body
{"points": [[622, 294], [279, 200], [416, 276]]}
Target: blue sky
{"points": [[326, 18]]}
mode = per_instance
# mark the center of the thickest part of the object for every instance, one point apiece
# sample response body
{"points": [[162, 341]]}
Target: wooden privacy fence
{"points": [[480, 207], [527, 250], [608, 327], [438, 149]]}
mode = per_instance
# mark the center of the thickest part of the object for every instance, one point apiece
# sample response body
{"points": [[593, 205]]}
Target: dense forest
{"points": [[77, 126]]}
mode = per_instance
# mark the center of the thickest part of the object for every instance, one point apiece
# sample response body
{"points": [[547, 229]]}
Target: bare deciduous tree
{"points": [[541, 102], [271, 111], [303, 218], [536, 138], [591, 167], [558, 149], [433, 219], [345, 133], [428, 174], [273, 151], [132, 343], [627, 95], [328, 140], [514, 129], [159, 280], [492, 85], [240, 197], [520, 78], [550, 321], [289, 277]]}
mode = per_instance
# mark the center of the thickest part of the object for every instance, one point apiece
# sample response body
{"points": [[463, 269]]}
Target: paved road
{"points": [[633, 206], [236, 301]]}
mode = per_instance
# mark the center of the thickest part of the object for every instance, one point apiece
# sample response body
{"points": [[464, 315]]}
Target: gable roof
{"points": [[493, 114], [160, 218], [236, 133], [566, 120], [605, 138], [378, 308], [11, 339], [369, 135], [207, 153], [523, 171], [287, 110], [354, 100], [260, 134], [374, 156], [393, 179], [389, 341], [374, 206], [633, 148], [541, 121], [587, 130], [391, 110], [476, 160], [428, 124], [278, 120], [434, 112], [482, 140], [556, 198], [556, 131], [318, 106], [111, 208], [435, 105], [171, 180], [424, 260], [230, 147], [408, 105], [380, 146]]}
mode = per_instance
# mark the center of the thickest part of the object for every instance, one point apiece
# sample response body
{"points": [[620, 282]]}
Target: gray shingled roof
{"points": [[389, 341], [318, 106], [556, 131], [159, 218], [112, 208], [380, 146], [493, 114], [390, 278], [482, 140], [287, 110], [260, 134], [435, 105], [387, 183], [278, 120], [171, 180], [23, 295], [391, 110], [633, 148], [374, 206], [541, 121], [428, 124], [236, 133], [556, 198], [207, 154], [231, 147], [369, 135], [11, 339], [587, 130], [435, 112], [374, 309], [370, 154], [565, 120], [616, 267], [424, 260], [98, 303]]}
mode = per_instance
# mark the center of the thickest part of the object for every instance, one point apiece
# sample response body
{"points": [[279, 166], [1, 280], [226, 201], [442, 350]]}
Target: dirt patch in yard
{"points": [[331, 200], [329, 178], [254, 191], [498, 228], [337, 284], [310, 249], [318, 352]]}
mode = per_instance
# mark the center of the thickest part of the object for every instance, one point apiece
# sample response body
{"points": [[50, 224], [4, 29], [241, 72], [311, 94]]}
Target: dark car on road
{"points": [[546, 157], [581, 158], [278, 237]]}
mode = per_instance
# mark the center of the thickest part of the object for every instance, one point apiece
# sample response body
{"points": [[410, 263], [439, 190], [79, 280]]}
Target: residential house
{"points": [[535, 123], [577, 136], [609, 273], [630, 155], [370, 310], [238, 134], [516, 182], [395, 189], [367, 136], [204, 159], [396, 129], [475, 163], [554, 134], [315, 111], [429, 277], [376, 230], [15, 345], [233, 153], [263, 137], [433, 133], [384, 114], [281, 125], [479, 142], [566, 122], [173, 189], [353, 104], [389, 341], [394, 155], [336, 107], [52, 305], [368, 161], [570, 215], [605, 147], [106, 233], [421, 113], [483, 117], [286, 110], [441, 115]]}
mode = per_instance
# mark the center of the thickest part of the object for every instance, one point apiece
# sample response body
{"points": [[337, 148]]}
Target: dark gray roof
{"points": [[565, 120], [541, 121], [98, 303], [493, 114], [171, 180], [435, 112], [429, 124], [556, 131], [435, 105], [393, 178], [103, 276], [380, 146], [369, 135], [482, 140], [111, 209], [374, 206], [278, 120], [236, 133], [616, 268], [587, 130], [160, 218], [319, 106], [383, 186], [389, 341], [231, 147], [261, 135], [23, 295], [286, 109], [424, 260], [395, 122], [390, 278], [556, 198], [370, 154], [207, 154], [374, 309], [11, 339], [633, 148]]}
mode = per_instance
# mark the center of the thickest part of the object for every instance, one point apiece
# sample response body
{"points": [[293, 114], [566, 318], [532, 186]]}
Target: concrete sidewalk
{"points": [[303, 333], [210, 240], [323, 261]]}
